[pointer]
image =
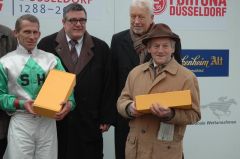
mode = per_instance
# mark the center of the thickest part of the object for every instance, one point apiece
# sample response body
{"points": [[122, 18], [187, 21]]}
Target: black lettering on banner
{"points": [[58, 10], [24, 79], [40, 79]]}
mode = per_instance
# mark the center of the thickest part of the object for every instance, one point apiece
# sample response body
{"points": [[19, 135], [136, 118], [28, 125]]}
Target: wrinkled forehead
{"points": [[139, 10], [28, 25]]}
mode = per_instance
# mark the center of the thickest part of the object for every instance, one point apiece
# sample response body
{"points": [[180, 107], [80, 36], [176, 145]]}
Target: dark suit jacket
{"points": [[125, 59], [94, 104]]}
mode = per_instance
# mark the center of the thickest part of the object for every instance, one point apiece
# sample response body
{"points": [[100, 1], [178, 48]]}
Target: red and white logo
{"points": [[159, 6], [1, 5]]}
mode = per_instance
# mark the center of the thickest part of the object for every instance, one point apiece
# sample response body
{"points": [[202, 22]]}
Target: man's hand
{"points": [[104, 127], [66, 108], [132, 111], [160, 111], [28, 106]]}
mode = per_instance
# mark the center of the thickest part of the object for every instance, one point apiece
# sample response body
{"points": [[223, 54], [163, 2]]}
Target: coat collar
{"points": [[86, 53], [22, 50], [171, 67], [63, 51]]}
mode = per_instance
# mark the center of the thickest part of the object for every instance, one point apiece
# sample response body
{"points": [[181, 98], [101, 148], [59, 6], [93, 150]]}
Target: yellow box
{"points": [[175, 99], [56, 89]]}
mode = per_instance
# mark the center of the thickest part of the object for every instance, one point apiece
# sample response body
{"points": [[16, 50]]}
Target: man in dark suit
{"points": [[127, 52], [80, 134], [8, 43]]}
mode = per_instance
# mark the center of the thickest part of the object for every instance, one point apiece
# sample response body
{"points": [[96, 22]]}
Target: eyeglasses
{"points": [[134, 17], [74, 21]]}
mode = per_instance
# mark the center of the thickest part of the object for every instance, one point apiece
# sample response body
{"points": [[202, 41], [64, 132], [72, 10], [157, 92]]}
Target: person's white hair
{"points": [[148, 4]]}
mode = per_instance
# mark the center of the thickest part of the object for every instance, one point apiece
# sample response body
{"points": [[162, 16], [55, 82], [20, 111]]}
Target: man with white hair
{"points": [[127, 52]]}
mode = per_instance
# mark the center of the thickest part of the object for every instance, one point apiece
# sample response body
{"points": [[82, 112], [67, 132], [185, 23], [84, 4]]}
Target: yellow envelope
{"points": [[175, 99], [56, 89]]}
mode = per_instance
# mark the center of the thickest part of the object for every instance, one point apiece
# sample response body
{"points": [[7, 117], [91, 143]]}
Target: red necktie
{"points": [[73, 51]]}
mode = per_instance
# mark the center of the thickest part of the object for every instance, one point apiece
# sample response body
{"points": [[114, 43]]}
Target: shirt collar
{"points": [[21, 49], [80, 41], [154, 65]]}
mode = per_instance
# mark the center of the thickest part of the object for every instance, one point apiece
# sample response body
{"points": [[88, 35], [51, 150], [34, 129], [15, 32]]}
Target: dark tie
{"points": [[155, 71], [73, 51]]}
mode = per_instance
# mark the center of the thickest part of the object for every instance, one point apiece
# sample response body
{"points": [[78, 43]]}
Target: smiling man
{"points": [[80, 135], [128, 51], [22, 74], [160, 133]]}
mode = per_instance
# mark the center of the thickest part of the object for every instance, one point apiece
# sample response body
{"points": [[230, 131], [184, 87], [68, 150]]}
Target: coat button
{"points": [[143, 131], [168, 147]]}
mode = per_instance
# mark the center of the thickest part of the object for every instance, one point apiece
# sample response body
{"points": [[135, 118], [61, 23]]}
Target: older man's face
{"points": [[140, 20], [161, 50]]}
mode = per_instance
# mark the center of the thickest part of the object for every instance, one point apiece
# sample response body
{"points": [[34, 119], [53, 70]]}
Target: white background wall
{"points": [[107, 17]]}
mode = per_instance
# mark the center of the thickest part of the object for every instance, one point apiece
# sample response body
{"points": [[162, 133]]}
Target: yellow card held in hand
{"points": [[56, 89], [175, 99]]}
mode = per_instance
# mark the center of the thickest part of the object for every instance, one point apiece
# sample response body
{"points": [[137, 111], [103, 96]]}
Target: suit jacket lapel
{"points": [[63, 51], [86, 53]]}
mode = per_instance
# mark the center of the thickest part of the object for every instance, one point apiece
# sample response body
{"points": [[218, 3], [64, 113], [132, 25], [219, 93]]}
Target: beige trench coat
{"points": [[142, 142]]}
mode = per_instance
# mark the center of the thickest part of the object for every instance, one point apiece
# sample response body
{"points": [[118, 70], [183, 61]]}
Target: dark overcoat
{"points": [[92, 93]]}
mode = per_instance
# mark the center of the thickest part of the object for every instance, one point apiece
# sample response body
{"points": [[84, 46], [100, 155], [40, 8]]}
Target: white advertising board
{"points": [[201, 24]]}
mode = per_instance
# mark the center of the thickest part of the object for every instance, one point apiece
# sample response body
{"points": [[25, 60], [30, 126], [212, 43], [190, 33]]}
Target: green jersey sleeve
{"points": [[6, 99]]}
